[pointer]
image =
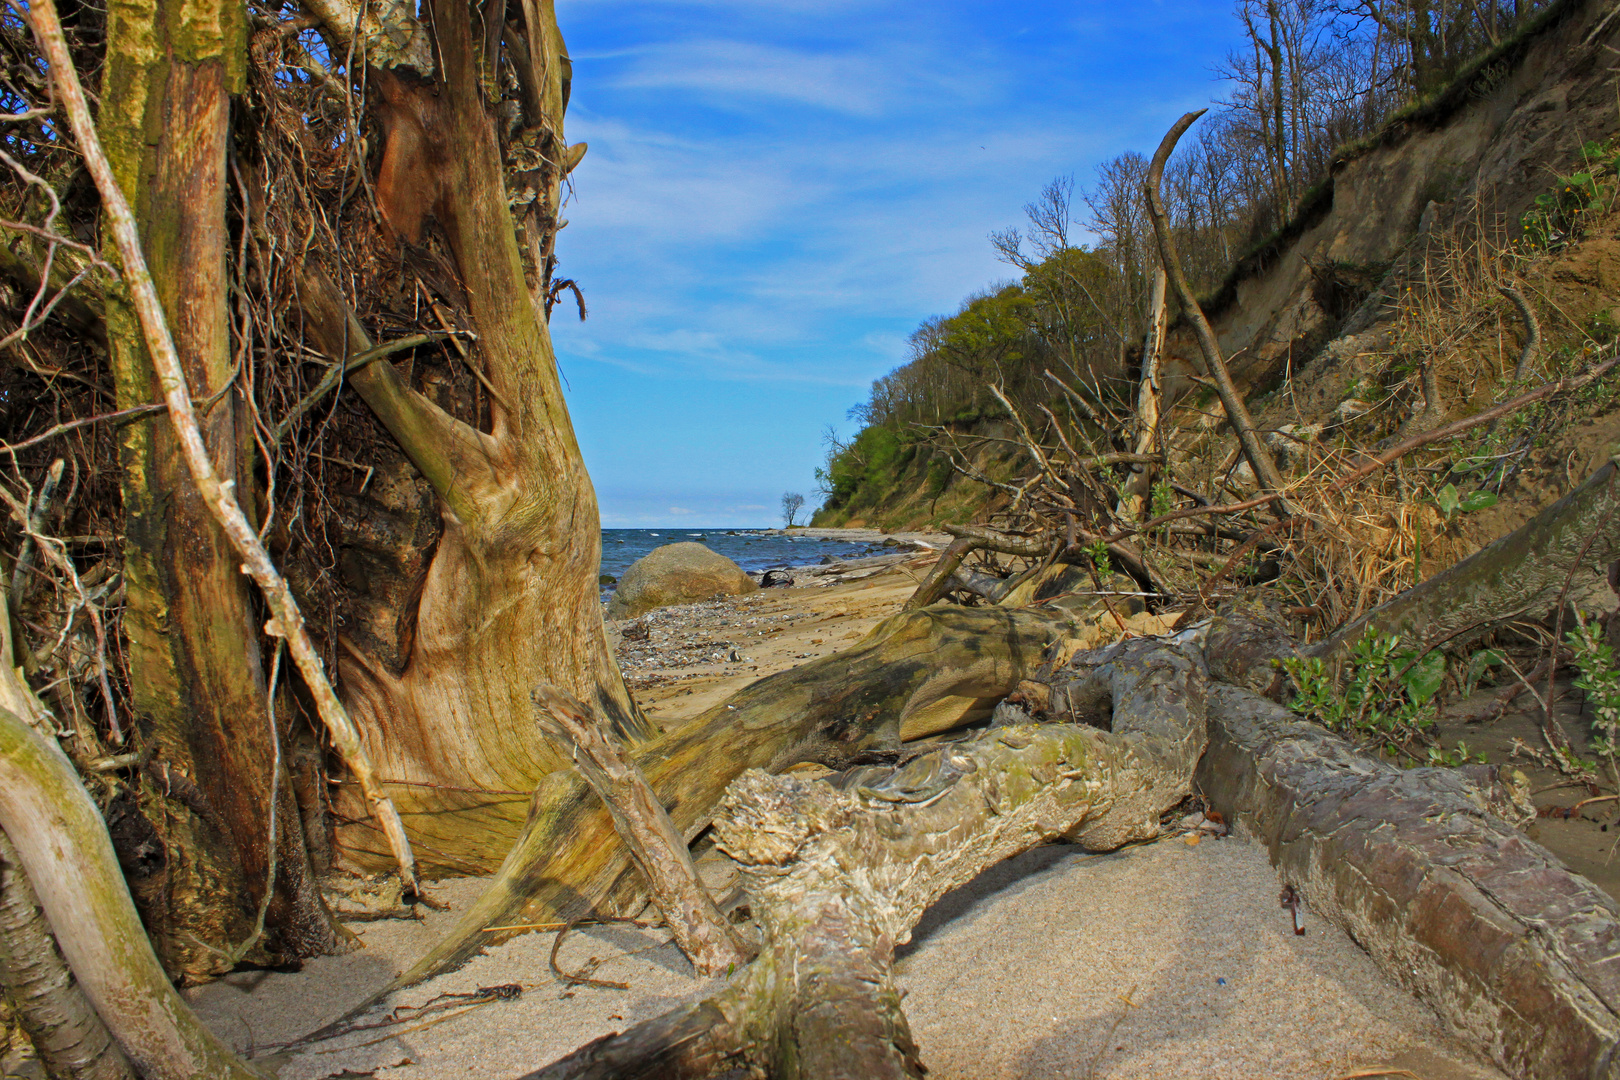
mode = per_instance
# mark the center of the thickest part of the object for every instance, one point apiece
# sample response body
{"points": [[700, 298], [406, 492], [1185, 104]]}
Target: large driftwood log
{"points": [[1522, 574], [838, 873], [1425, 869], [916, 673]]}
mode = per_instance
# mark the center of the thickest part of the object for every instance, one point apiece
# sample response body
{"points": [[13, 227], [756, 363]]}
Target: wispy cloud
{"points": [[777, 192]]}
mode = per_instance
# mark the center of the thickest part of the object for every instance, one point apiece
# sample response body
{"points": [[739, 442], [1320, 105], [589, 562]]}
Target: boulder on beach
{"points": [[676, 574]]}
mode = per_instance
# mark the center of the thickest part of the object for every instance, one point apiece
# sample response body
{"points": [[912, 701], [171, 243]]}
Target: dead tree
{"points": [[915, 674], [820, 1001]]}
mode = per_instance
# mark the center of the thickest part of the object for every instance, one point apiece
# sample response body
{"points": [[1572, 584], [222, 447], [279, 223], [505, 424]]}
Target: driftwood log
{"points": [[1522, 574], [58, 1019], [63, 847], [839, 871], [915, 674], [1425, 868]]}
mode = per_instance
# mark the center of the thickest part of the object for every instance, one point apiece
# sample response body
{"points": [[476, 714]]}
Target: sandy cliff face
{"points": [[1478, 154]]}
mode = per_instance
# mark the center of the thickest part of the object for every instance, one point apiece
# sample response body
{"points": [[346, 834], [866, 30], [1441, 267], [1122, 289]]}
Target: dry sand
{"points": [[1056, 964]]}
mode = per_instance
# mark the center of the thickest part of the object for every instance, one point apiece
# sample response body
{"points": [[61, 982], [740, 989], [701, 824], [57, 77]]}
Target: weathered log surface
{"points": [[1523, 573], [916, 673], [1518, 954], [839, 872], [66, 1032]]}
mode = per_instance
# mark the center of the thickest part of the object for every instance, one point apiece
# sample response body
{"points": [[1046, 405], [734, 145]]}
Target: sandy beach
{"points": [[1165, 960]]}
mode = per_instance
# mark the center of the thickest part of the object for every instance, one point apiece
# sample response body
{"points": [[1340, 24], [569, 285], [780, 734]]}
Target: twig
{"points": [[340, 371], [287, 621], [579, 978], [118, 417]]}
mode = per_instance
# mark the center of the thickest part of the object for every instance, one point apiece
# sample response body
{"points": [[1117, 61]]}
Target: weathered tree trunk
{"points": [[511, 598], [196, 679], [1522, 574], [915, 674], [61, 1023], [839, 873]]}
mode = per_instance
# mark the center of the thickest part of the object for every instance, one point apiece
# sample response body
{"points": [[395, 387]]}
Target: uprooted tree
{"points": [[380, 218]]}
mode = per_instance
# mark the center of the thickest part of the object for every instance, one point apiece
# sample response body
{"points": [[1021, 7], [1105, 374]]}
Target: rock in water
{"points": [[676, 574]]}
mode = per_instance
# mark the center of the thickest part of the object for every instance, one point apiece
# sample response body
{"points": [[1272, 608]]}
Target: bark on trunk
{"points": [[511, 599], [1516, 953], [1522, 574], [1425, 868], [59, 1020], [839, 873], [915, 674], [197, 682]]}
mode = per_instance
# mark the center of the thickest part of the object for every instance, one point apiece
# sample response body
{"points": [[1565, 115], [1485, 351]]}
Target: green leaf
{"points": [[1476, 500], [1446, 499], [1424, 678]]}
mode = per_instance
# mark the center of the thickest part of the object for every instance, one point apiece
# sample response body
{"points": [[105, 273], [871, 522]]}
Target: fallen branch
{"points": [[838, 874], [659, 850], [1424, 438], [1265, 469]]}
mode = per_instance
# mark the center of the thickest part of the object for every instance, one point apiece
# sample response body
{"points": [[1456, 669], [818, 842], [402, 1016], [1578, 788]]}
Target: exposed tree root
{"points": [[915, 674], [839, 872]]}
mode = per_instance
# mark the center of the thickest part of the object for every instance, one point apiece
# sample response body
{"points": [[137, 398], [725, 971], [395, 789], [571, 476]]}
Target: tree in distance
{"points": [[792, 502]]}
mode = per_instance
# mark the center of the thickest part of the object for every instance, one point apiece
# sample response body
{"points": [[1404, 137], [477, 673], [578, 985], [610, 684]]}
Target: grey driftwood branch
{"points": [[657, 847], [839, 873]]}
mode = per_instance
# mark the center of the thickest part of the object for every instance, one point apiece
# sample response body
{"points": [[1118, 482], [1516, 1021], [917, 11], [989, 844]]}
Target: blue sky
{"points": [[777, 193]]}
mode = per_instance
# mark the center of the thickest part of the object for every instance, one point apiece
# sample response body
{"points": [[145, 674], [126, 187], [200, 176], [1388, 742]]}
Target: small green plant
{"points": [[1387, 699], [1451, 503], [1164, 499], [1098, 551], [1562, 214], [1600, 681]]}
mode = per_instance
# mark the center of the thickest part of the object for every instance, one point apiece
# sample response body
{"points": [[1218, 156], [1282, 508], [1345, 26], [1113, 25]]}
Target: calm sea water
{"points": [[748, 548]]}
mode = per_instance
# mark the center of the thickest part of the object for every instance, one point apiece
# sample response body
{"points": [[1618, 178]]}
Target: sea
{"points": [[751, 549]]}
